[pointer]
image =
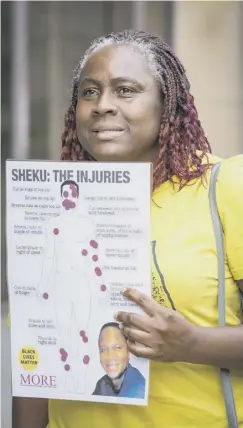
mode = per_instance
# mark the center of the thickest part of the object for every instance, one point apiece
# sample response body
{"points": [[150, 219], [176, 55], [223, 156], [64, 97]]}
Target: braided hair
{"points": [[182, 141]]}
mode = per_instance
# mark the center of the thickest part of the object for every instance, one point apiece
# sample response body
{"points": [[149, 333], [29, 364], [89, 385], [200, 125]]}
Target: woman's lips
{"points": [[108, 135]]}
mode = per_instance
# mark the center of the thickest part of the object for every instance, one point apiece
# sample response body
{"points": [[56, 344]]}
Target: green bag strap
{"points": [[219, 237]]}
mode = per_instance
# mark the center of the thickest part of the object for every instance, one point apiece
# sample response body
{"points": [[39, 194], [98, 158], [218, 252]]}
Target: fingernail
{"points": [[120, 325], [115, 316], [123, 290]]}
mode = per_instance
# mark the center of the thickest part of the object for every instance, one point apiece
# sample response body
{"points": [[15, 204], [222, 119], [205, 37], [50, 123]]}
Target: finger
{"points": [[145, 302], [141, 351], [133, 320], [135, 335]]}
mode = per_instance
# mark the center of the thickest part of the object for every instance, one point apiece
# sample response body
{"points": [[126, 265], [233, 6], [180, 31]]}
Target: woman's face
{"points": [[119, 107]]}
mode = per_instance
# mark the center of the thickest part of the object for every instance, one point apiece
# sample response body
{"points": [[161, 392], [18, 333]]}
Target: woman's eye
{"points": [[90, 92], [125, 91]]}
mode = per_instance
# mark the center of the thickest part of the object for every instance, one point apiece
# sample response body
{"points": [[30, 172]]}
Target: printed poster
{"points": [[77, 234]]}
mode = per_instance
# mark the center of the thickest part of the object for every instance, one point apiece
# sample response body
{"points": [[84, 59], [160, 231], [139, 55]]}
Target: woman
{"points": [[131, 102]]}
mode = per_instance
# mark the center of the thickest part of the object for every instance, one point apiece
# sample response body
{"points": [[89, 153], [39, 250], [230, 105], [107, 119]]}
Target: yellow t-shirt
{"points": [[184, 276]]}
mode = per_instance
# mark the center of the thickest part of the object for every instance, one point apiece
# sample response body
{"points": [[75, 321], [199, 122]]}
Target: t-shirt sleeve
{"points": [[230, 205]]}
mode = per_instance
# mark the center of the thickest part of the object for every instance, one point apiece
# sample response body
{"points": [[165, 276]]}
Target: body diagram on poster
{"points": [[71, 274]]}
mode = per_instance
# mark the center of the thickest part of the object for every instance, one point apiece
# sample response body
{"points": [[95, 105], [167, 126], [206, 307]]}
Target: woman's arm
{"points": [[240, 284], [29, 412], [162, 334], [218, 346]]}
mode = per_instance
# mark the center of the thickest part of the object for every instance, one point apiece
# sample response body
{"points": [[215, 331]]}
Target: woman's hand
{"points": [[161, 334]]}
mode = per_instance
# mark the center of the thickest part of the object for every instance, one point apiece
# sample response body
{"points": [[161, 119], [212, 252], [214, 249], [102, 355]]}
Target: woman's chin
{"points": [[109, 155]]}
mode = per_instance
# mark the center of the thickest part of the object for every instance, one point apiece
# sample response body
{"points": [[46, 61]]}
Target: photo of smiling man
{"points": [[121, 378]]}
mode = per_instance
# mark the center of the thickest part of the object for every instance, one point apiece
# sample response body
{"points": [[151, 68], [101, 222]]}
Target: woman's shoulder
{"points": [[228, 164], [230, 175], [230, 178], [230, 185], [232, 164]]}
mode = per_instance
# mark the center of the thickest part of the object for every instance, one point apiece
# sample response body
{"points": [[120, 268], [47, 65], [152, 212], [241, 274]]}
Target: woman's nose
{"points": [[105, 105]]}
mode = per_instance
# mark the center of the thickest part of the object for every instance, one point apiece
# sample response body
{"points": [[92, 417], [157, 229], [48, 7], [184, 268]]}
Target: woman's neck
{"points": [[150, 156]]}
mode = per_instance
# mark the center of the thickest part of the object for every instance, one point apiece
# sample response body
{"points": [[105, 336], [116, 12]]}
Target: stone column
{"points": [[208, 40], [55, 85], [153, 16], [20, 96], [71, 27]]}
